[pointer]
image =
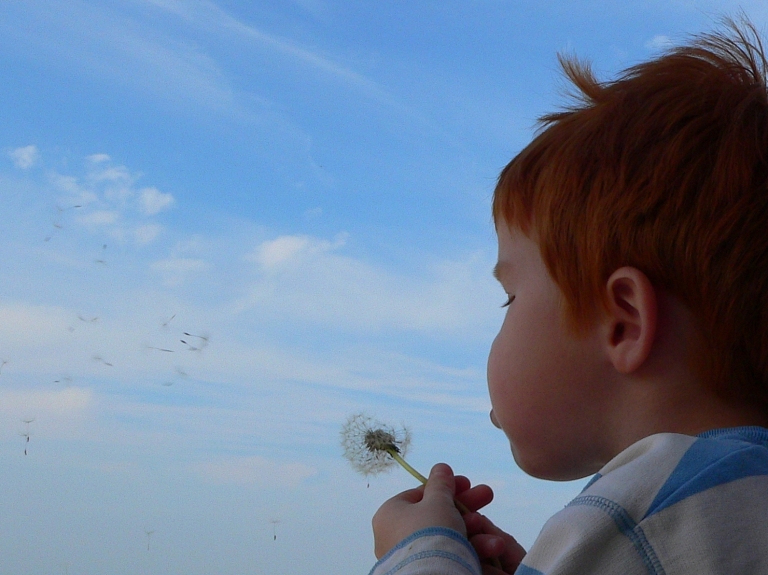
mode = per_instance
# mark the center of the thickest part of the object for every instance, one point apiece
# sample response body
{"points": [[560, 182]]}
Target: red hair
{"points": [[664, 169]]}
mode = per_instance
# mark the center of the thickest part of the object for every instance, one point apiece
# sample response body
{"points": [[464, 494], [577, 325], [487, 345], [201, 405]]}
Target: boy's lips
{"points": [[493, 420]]}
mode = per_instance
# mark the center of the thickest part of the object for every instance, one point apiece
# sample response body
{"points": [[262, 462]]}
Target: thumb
{"points": [[441, 483]]}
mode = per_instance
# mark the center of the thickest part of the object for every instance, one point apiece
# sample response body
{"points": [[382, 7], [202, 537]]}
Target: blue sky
{"points": [[292, 198]]}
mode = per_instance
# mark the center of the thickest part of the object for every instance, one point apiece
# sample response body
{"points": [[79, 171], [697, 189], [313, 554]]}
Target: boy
{"points": [[633, 248]]}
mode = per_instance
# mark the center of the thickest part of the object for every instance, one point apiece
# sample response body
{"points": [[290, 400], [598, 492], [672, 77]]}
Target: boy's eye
{"points": [[510, 299]]}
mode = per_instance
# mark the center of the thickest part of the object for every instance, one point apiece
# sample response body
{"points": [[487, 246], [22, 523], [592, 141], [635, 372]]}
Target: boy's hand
{"points": [[430, 505], [489, 541]]}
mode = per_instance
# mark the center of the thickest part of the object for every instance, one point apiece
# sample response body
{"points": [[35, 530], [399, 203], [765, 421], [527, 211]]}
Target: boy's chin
{"points": [[551, 468]]}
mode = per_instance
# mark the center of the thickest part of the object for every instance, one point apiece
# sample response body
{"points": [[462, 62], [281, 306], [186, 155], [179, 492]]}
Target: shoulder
{"points": [[664, 469], [668, 504]]}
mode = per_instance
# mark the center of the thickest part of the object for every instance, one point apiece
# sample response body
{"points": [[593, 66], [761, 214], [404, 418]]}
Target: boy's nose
{"points": [[493, 420]]}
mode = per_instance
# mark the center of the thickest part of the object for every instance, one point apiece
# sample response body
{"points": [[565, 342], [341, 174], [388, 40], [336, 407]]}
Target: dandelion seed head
{"points": [[367, 443]]}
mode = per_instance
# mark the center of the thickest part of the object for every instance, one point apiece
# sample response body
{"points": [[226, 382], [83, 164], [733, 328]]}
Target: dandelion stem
{"points": [[396, 456], [407, 466]]}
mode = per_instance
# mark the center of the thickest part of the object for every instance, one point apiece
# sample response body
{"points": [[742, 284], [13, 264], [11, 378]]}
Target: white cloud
{"points": [[99, 218], [24, 324], [25, 157], [279, 250], [138, 56], [147, 233], [153, 201], [112, 174], [272, 253], [175, 271], [309, 279], [210, 15], [71, 185], [52, 413], [255, 470], [108, 199], [98, 158], [659, 42], [42, 403], [66, 183]]}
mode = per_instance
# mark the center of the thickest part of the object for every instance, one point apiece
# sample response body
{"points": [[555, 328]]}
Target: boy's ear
{"points": [[631, 321]]}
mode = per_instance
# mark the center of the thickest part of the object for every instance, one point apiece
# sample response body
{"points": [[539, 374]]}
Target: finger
{"points": [[477, 497], [474, 523], [487, 546], [512, 553], [462, 484], [410, 495]]}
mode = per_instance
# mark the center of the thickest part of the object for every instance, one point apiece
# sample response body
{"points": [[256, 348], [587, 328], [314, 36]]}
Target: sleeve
{"points": [[432, 551]]}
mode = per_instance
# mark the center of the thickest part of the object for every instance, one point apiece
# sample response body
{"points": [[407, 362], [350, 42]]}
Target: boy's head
{"points": [[665, 170]]}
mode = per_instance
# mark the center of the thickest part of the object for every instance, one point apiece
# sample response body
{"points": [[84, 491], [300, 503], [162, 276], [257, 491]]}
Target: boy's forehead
{"points": [[511, 238], [515, 248]]}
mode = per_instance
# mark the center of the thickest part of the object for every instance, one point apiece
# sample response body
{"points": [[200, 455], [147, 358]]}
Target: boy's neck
{"points": [[666, 394]]}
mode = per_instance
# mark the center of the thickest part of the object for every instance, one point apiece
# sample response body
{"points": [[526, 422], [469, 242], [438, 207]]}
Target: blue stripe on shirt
{"points": [[710, 462], [429, 554], [525, 570]]}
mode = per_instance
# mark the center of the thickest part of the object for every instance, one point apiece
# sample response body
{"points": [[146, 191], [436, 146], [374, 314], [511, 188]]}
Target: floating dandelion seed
{"points": [[274, 523], [149, 534], [26, 434], [100, 359], [201, 343], [165, 349]]}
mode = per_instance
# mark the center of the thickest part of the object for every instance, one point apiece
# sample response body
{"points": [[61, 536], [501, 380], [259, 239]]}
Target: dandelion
{"points": [[372, 446]]}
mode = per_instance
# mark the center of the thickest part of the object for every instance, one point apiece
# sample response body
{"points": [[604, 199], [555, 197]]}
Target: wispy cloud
{"points": [[25, 157], [311, 279], [98, 158], [44, 404], [284, 249], [659, 42], [255, 470], [175, 271], [153, 201], [147, 233], [105, 196], [208, 15], [125, 49], [48, 413], [23, 323]]}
